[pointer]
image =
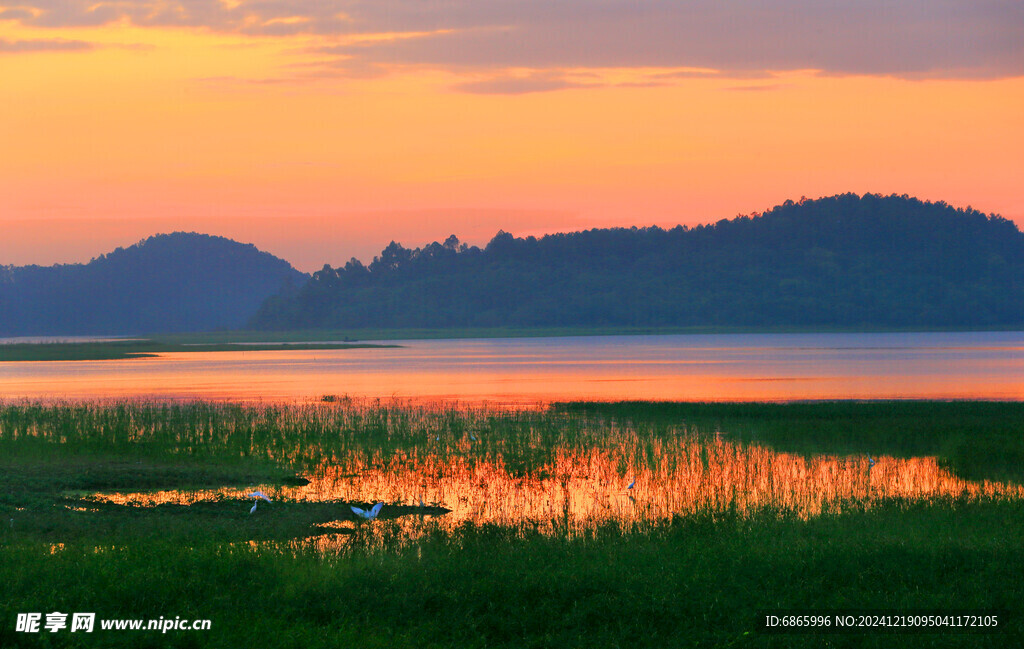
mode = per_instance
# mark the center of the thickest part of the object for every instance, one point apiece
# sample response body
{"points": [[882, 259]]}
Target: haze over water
{"points": [[719, 367]]}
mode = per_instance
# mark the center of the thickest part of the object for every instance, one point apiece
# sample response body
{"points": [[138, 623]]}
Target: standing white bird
{"points": [[368, 515], [253, 510], [871, 462]]}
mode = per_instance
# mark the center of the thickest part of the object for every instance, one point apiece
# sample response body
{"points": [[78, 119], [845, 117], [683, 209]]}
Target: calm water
{"points": [[725, 367]]}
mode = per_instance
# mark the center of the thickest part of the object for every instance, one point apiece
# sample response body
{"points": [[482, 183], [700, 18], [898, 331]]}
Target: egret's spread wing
{"points": [[376, 510], [259, 494], [358, 512]]}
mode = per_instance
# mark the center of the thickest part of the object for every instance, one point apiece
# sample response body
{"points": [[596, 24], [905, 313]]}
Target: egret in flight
{"points": [[367, 514], [257, 495]]}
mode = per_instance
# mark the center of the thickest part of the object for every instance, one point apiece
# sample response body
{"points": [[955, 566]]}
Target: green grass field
{"points": [[695, 578]]}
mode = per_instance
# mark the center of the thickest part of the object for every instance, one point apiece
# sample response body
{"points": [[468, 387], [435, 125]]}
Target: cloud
{"points": [[15, 14], [903, 38], [508, 84], [755, 88], [15, 47], [909, 38]]}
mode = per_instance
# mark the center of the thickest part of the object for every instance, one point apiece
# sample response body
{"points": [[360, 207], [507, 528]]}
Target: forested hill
{"points": [[844, 261], [167, 283]]}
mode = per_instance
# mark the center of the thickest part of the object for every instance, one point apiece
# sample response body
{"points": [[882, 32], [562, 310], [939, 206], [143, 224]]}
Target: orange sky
{"points": [[117, 128]]}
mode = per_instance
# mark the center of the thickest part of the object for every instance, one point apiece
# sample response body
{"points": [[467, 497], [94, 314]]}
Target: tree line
{"points": [[845, 260]]}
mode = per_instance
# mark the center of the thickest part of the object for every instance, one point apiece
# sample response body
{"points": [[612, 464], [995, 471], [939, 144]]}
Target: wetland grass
{"points": [[140, 510], [975, 439], [694, 581]]}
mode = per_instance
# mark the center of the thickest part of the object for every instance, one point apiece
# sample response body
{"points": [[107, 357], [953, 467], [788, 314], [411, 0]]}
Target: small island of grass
{"points": [[143, 348]]}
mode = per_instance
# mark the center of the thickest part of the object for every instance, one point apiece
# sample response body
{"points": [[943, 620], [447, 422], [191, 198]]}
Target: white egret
{"points": [[257, 495], [632, 484], [871, 462], [368, 515]]}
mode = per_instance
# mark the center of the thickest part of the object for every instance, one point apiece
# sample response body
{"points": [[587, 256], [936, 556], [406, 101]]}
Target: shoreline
{"points": [[359, 335]]}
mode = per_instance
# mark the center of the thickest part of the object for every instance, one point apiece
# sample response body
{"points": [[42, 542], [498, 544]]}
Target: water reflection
{"points": [[581, 488], [727, 367]]}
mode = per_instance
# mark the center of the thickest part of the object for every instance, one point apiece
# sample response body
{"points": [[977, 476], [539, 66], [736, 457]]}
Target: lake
{"points": [[713, 367]]}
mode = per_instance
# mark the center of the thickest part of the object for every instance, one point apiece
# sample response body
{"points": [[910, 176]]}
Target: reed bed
{"points": [[528, 535]]}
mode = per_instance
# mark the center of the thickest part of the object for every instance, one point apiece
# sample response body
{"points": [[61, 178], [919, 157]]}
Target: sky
{"points": [[321, 130]]}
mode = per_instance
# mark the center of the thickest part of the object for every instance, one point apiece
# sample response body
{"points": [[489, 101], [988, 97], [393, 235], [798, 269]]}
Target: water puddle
{"points": [[580, 488]]}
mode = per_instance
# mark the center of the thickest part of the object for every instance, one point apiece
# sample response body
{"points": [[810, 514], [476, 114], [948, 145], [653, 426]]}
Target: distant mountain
{"points": [[167, 283], [848, 260]]}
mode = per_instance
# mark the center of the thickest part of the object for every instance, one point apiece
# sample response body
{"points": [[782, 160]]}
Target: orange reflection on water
{"points": [[580, 488], [125, 379], [167, 496], [727, 367]]}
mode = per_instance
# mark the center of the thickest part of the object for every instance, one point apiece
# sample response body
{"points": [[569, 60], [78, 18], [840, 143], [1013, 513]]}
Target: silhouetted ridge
{"points": [[166, 283], [845, 260]]}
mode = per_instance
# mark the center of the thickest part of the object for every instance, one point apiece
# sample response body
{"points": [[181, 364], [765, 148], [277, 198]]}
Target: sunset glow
{"points": [[511, 323], [320, 135], [582, 490]]}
